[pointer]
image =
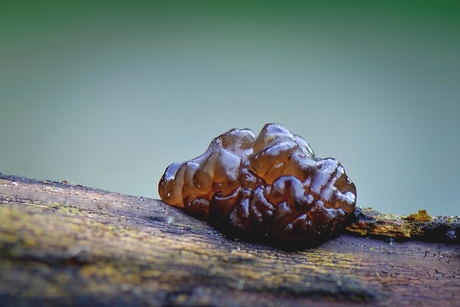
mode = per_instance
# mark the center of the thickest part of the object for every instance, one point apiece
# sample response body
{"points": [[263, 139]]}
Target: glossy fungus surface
{"points": [[268, 187]]}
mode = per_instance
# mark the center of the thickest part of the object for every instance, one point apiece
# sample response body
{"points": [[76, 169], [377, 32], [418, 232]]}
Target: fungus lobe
{"points": [[268, 187]]}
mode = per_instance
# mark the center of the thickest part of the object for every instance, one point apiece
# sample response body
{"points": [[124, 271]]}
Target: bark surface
{"points": [[66, 244]]}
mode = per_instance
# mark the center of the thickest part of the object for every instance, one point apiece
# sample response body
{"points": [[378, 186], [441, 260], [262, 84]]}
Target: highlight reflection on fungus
{"points": [[268, 187]]}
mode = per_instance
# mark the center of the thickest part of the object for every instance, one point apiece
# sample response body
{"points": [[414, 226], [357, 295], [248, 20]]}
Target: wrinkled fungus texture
{"points": [[269, 187]]}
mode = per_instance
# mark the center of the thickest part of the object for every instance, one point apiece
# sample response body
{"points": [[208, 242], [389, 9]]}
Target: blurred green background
{"points": [[108, 93]]}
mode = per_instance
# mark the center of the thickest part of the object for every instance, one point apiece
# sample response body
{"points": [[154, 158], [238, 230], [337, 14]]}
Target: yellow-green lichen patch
{"points": [[420, 216], [144, 257], [419, 226]]}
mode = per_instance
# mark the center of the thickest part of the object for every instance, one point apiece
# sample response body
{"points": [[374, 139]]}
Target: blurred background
{"points": [[108, 93]]}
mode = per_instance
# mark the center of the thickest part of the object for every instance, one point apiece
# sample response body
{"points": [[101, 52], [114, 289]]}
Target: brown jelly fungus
{"points": [[268, 187]]}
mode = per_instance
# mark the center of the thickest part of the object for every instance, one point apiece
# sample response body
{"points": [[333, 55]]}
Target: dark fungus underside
{"points": [[269, 187]]}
